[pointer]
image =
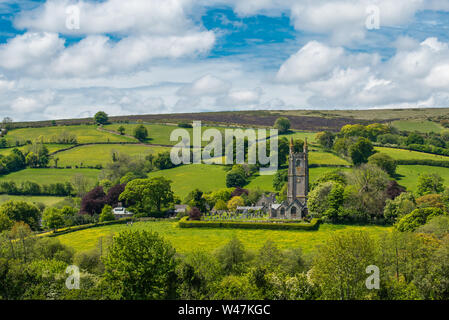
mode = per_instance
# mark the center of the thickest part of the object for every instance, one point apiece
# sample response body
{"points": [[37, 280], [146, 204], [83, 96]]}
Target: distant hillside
{"points": [[309, 120]]}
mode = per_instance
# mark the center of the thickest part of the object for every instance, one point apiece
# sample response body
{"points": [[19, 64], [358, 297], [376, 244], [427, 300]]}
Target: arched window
{"points": [[293, 211], [273, 213], [282, 212]]}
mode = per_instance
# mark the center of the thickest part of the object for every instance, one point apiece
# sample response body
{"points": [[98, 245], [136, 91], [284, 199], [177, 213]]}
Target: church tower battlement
{"points": [[298, 174]]}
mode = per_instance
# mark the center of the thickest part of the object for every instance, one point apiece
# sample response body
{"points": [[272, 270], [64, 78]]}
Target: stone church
{"points": [[295, 207]]}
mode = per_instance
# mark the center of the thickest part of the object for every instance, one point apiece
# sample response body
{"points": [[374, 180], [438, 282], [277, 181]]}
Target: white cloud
{"points": [[204, 86], [150, 17], [418, 72], [311, 61]]}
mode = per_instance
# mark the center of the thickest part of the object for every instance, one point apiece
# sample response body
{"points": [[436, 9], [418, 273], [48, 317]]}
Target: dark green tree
{"points": [[101, 118]]}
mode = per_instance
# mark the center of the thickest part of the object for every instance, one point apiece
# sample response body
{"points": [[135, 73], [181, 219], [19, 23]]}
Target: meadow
{"points": [[402, 154], [48, 176], [186, 240], [83, 133], [51, 148], [423, 126], [409, 175], [91, 155], [48, 201]]}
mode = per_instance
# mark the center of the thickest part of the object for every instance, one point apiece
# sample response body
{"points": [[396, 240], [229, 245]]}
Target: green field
{"points": [[185, 240], [51, 148], [48, 176], [320, 157], [84, 134], [91, 155], [300, 135], [265, 183], [402, 154], [188, 177], [159, 133], [48, 201], [423, 126], [411, 173]]}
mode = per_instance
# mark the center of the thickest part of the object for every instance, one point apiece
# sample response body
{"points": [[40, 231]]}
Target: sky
{"points": [[70, 58]]}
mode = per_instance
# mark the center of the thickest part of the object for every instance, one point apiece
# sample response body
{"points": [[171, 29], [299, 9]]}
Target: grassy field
{"points": [[301, 135], [410, 175], [158, 133], [402, 154], [51, 148], [84, 134], [92, 155], [321, 157], [185, 240], [265, 183], [186, 178], [417, 125], [48, 201], [48, 176]]}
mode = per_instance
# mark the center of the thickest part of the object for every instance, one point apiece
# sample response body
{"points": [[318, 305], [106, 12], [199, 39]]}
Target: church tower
{"points": [[298, 174]]}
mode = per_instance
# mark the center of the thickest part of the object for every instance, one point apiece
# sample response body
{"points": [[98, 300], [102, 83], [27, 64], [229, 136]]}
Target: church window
{"points": [[282, 212], [293, 211]]}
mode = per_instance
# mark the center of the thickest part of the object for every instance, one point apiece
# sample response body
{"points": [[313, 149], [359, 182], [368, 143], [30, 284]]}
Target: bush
{"points": [[383, 161], [275, 225], [417, 218], [106, 214], [282, 124]]}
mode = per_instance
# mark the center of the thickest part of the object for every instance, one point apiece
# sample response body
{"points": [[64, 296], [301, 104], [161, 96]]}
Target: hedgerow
{"points": [[276, 224]]}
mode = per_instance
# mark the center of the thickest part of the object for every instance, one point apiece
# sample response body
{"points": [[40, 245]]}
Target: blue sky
{"points": [[156, 56]]}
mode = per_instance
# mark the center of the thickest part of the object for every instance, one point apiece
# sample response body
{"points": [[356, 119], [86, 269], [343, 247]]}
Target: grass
{"points": [[321, 157], [48, 176], [265, 183], [51, 148], [84, 134], [159, 133], [402, 154], [48, 201], [409, 175], [92, 155], [423, 126], [186, 240], [311, 136], [188, 177]]}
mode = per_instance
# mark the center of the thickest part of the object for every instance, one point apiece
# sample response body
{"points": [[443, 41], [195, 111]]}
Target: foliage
{"points": [[429, 183], [93, 202], [52, 218], [339, 267], [235, 178], [140, 265], [361, 151], [282, 124], [141, 133], [101, 118], [417, 218], [275, 225], [22, 211], [325, 139], [384, 161], [235, 202], [326, 198], [399, 207], [437, 226], [106, 214], [194, 214], [147, 195], [280, 178]]}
